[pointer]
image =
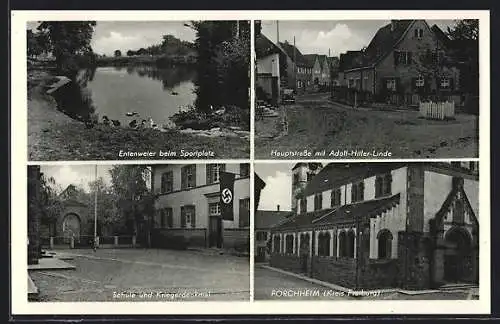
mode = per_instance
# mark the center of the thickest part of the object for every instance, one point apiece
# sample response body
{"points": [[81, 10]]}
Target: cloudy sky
{"points": [[278, 189], [317, 37], [124, 35], [78, 175]]}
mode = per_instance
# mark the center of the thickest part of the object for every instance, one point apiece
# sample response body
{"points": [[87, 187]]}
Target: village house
{"points": [[321, 69], [383, 225], [270, 62], [188, 206], [298, 69], [405, 62]]}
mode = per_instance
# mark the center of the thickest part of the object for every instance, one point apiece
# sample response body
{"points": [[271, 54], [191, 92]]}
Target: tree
{"points": [[107, 211], [36, 43], [130, 53], [133, 198], [118, 53], [49, 203], [67, 40]]}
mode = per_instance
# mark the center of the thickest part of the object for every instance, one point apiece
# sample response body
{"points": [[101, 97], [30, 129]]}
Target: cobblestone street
{"points": [[145, 275]]}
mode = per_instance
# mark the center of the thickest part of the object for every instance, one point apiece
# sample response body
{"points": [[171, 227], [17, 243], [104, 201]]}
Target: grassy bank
{"points": [[52, 135]]}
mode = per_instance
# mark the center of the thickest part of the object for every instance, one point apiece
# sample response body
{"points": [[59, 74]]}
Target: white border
{"points": [[20, 304]]}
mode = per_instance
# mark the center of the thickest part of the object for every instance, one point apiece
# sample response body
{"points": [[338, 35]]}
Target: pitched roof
{"points": [[335, 175], [264, 46], [259, 183], [269, 218], [441, 36], [289, 51], [311, 58], [349, 60], [73, 202], [345, 213]]}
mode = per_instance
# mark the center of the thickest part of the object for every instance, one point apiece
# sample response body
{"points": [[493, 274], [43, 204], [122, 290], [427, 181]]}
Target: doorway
{"points": [[458, 261], [215, 232]]}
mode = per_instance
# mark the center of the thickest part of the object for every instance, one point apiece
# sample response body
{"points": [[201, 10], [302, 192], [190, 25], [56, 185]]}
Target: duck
{"points": [[105, 120], [133, 123], [134, 113], [116, 122], [89, 124], [174, 93]]}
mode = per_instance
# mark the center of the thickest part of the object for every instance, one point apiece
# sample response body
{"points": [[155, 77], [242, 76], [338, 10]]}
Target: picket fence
{"points": [[439, 110]]}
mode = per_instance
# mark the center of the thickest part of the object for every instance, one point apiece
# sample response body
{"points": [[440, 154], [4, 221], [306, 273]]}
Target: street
{"points": [[145, 275], [273, 285], [315, 124]]}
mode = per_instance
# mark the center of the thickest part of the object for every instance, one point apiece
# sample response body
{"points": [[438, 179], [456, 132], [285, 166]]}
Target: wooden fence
{"points": [[437, 110]]}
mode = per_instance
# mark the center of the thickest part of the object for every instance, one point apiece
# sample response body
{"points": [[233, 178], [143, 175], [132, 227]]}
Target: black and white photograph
{"points": [[367, 231], [128, 233], [351, 89], [113, 90]]}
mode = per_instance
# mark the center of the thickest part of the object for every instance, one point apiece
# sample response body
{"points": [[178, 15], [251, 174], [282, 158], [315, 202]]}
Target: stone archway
{"points": [[71, 226], [458, 257]]}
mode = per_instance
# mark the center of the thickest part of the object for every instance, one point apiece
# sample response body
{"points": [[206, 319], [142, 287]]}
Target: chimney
{"points": [[278, 208]]}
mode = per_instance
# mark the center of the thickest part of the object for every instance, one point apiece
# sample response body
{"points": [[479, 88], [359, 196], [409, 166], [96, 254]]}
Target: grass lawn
{"points": [[318, 125], [52, 135]]}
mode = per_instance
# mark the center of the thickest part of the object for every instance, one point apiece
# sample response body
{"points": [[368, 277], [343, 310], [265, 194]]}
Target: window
{"points": [[358, 192], [318, 201], [351, 83], [213, 172], [188, 216], [383, 185], [289, 243], [261, 236], [384, 238], [402, 57], [188, 176], [244, 170], [391, 84], [309, 176], [277, 244], [303, 205], [419, 82], [445, 82], [419, 33], [295, 178], [324, 244], [214, 209], [335, 198], [167, 182]]}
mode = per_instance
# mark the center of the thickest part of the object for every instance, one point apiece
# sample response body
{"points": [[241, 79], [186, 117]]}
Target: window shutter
{"points": [[193, 216], [209, 173], [183, 217], [416, 33]]}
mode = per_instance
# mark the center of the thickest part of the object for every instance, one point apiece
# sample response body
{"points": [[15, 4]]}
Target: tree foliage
{"points": [[118, 53], [68, 40], [223, 64], [37, 43]]}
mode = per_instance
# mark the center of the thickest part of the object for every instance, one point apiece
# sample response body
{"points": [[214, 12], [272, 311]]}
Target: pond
{"points": [[154, 94]]}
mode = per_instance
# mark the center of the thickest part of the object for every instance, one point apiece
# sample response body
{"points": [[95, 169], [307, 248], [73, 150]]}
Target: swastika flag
{"points": [[226, 195]]}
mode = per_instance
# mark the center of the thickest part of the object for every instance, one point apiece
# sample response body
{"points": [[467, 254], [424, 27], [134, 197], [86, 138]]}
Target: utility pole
{"points": [[294, 64], [277, 32], [95, 210]]}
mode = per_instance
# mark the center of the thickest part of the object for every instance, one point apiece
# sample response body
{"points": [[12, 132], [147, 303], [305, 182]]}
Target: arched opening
{"points": [[304, 251], [350, 244], [458, 263], [71, 226], [324, 244], [384, 238], [289, 244], [277, 244], [342, 244]]}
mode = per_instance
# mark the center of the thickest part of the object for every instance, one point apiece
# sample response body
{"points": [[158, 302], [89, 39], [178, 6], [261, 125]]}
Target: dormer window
{"points": [[358, 192], [335, 198], [318, 201], [383, 185]]}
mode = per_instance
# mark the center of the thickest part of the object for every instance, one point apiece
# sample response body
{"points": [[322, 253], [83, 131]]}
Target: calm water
{"points": [[114, 91]]}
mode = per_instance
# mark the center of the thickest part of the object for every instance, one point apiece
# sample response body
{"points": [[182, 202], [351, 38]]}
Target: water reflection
{"points": [[114, 91]]}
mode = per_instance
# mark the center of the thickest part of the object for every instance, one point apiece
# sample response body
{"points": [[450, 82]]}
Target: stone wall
{"points": [[378, 274], [286, 262], [340, 271], [413, 262]]}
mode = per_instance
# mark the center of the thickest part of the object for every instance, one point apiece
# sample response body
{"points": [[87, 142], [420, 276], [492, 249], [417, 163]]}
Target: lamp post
{"points": [[95, 211]]}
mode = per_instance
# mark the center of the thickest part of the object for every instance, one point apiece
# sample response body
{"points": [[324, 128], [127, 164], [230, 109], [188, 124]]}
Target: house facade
{"points": [[188, 205], [383, 225], [298, 69], [268, 66], [265, 220], [405, 62]]}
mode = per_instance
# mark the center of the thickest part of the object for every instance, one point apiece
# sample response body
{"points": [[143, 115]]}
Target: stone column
{"points": [[338, 241], [310, 243], [72, 243], [298, 243], [355, 243], [316, 241], [51, 242]]}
